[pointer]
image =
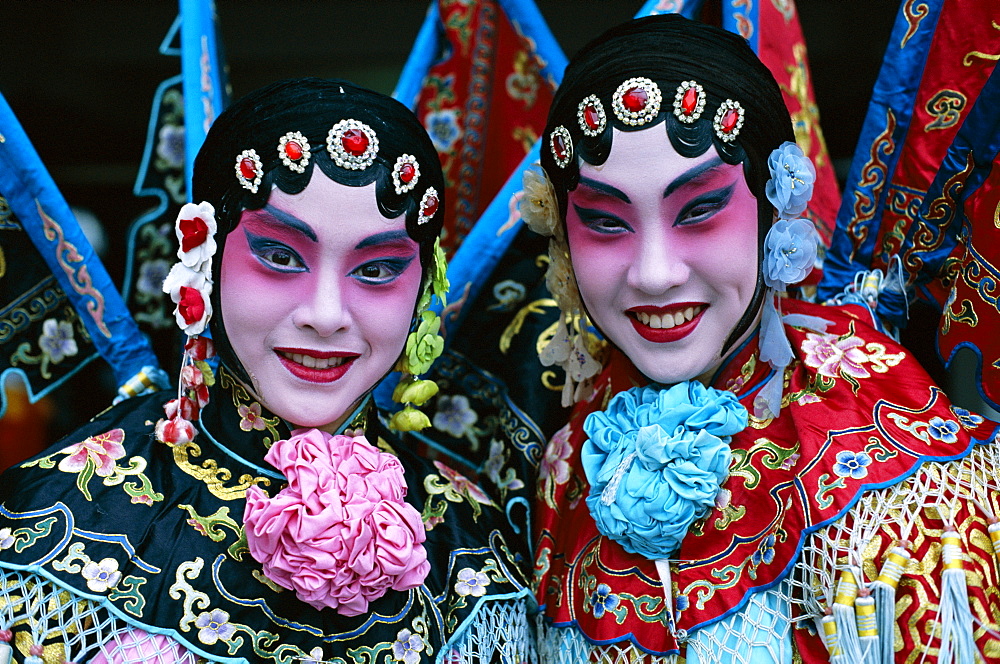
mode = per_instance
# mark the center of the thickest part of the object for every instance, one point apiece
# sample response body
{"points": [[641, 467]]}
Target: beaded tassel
{"points": [[884, 593], [957, 642], [864, 606], [832, 640], [843, 614]]}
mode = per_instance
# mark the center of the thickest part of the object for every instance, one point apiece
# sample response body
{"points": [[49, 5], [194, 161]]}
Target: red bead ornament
{"points": [[405, 173], [561, 145], [429, 204], [689, 102], [728, 121], [352, 144], [637, 101], [294, 151], [591, 116], [249, 170]]}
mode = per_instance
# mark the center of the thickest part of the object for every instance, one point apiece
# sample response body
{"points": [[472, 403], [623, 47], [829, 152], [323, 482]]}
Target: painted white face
{"points": [[665, 252], [318, 290]]}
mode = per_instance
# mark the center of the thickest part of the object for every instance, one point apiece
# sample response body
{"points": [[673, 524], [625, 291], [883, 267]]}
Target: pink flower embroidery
{"points": [[462, 485], [251, 417], [340, 534], [832, 356], [554, 465], [103, 450]]}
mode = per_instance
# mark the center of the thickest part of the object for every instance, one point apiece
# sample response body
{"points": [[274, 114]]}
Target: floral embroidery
{"points": [[456, 489], [250, 417], [764, 553], [471, 582], [442, 126], [170, 146], [554, 468], [603, 600], [493, 469], [6, 539], [454, 416], [462, 485], [57, 342], [835, 356], [100, 452], [151, 276], [943, 430], [407, 647], [852, 464], [214, 625], [967, 418], [101, 576]]}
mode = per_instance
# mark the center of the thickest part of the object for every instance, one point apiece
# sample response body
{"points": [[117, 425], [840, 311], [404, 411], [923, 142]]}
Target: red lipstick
{"points": [[665, 335], [315, 374]]}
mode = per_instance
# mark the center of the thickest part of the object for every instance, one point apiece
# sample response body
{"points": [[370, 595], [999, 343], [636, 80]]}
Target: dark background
{"points": [[81, 76]]}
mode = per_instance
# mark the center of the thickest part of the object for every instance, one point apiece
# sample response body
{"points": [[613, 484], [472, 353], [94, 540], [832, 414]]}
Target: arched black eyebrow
{"points": [[292, 222], [692, 174], [381, 238], [605, 189]]}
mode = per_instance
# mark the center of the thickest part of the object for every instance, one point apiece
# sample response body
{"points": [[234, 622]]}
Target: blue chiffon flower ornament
{"points": [[792, 179], [790, 250], [655, 460]]}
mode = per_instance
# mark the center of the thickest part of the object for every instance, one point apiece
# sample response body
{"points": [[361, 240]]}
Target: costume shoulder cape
{"points": [[858, 413], [154, 534]]}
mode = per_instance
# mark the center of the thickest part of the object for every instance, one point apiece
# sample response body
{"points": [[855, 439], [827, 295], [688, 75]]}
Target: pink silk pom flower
{"points": [[340, 534]]}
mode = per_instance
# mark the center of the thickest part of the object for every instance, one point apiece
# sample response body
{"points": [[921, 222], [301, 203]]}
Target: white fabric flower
{"points": [[195, 228], [190, 291]]}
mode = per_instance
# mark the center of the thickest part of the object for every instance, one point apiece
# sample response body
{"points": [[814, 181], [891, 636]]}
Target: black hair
{"points": [[311, 106], [669, 50]]}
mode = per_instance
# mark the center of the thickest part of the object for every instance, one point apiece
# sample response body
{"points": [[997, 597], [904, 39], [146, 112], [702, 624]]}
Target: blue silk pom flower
{"points": [[792, 179], [789, 252], [655, 460]]}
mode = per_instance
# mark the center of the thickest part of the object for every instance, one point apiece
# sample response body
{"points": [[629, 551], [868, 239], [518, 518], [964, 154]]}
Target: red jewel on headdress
{"points": [[428, 205], [405, 173], [354, 141], [728, 121], [249, 170], [637, 101], [352, 144], [590, 113], [561, 145], [689, 101], [293, 150]]}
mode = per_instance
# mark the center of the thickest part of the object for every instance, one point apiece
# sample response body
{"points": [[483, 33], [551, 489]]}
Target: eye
{"points": [[704, 207], [281, 256], [602, 222], [381, 271]]}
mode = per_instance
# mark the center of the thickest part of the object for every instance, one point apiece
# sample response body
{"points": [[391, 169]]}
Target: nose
{"points": [[323, 307], [657, 266]]}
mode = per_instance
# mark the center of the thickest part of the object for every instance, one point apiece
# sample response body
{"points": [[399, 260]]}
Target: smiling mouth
{"points": [[665, 324], [315, 366]]}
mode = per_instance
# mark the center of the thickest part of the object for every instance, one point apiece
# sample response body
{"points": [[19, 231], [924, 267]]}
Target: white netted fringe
{"points": [[84, 628], [891, 511], [761, 632], [499, 633]]}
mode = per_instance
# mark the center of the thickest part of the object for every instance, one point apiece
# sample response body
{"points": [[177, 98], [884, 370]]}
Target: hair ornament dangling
{"points": [[538, 206], [423, 346], [637, 101], [591, 116], [293, 150], [689, 102], [405, 174], [249, 170], [189, 285], [561, 145], [728, 120], [790, 250], [429, 204], [352, 144]]}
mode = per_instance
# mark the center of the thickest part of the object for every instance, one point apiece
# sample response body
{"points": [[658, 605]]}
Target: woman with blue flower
{"points": [[744, 477]]}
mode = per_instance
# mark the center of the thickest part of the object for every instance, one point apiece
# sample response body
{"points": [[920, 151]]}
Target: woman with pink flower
{"points": [[266, 511], [744, 477]]}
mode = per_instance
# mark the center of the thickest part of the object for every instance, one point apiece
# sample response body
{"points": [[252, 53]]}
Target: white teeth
{"points": [[314, 362], [689, 313], [678, 318], [296, 357], [654, 322], [309, 361], [643, 317], [667, 321]]}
